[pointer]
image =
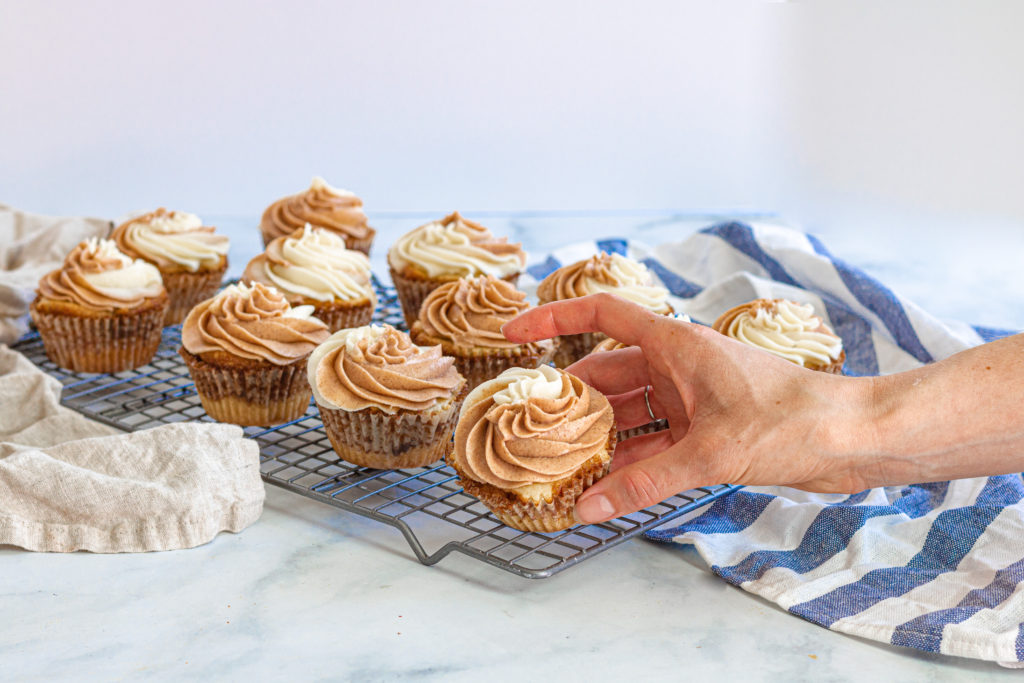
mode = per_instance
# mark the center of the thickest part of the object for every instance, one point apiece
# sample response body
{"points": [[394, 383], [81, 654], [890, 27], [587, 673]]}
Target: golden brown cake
{"points": [[101, 311], [312, 267], [787, 329], [191, 257], [443, 251], [246, 350], [385, 402], [602, 272], [322, 206], [530, 442], [465, 317]]}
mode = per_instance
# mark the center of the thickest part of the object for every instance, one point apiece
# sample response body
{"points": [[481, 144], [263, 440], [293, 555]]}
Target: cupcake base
{"points": [[384, 441], [573, 347], [186, 289], [340, 315], [249, 393], [81, 340]]}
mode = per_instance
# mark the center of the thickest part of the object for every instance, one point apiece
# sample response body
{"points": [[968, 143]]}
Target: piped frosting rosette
{"points": [[787, 329], [445, 250], [101, 311], [465, 317], [321, 206], [385, 402], [529, 442], [602, 272]]}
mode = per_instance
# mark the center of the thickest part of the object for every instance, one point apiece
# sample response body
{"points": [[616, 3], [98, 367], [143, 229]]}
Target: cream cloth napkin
{"points": [[68, 483], [31, 246]]}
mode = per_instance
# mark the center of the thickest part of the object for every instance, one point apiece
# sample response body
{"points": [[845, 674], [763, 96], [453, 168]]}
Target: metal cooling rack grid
{"points": [[426, 504]]}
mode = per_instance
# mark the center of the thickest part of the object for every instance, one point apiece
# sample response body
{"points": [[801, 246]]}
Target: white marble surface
{"points": [[310, 592]]}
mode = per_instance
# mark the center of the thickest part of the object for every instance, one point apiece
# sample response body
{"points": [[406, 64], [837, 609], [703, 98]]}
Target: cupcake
{"points": [[600, 273], [465, 317], [385, 402], [246, 350], [191, 258], [312, 267], [322, 206], [529, 442], [787, 329], [433, 254], [101, 311]]}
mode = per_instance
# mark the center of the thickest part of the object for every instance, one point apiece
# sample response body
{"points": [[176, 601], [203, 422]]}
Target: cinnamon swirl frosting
{"points": [[252, 322], [530, 426], [97, 276], [377, 366], [313, 263], [456, 247], [171, 239], [322, 206], [785, 328], [605, 273], [469, 312]]}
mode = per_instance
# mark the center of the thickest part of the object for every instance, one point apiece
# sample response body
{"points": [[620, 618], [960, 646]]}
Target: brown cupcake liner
{"points": [[110, 343], [340, 315], [541, 515], [413, 288], [185, 290], [383, 441], [261, 394], [649, 428], [573, 347]]}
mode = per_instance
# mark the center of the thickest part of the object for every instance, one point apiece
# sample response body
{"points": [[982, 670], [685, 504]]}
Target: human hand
{"points": [[736, 414]]}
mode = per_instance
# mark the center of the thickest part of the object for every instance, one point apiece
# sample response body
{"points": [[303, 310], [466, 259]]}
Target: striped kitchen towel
{"points": [[938, 567]]}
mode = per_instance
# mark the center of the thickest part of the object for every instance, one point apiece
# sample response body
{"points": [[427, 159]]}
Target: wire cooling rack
{"points": [[426, 504]]}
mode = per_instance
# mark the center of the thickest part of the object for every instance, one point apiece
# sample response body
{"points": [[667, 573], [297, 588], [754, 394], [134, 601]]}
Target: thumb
{"points": [[640, 485]]}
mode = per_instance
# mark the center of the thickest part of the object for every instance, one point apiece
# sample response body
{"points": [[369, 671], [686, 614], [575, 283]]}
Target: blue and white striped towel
{"points": [[938, 567]]}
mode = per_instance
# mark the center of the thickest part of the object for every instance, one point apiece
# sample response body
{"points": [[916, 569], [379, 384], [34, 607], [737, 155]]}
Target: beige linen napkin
{"points": [[31, 246], [68, 483]]}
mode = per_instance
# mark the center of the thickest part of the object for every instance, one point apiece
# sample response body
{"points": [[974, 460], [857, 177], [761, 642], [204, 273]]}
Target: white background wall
{"points": [[902, 118]]}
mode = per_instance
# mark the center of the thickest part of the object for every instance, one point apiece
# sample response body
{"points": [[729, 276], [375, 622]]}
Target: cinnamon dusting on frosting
{"points": [[530, 426], [171, 239], [785, 328], [255, 323], [321, 206], [605, 272], [455, 246], [97, 276], [470, 312]]}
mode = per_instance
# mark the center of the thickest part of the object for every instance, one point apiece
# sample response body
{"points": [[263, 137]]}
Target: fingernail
{"points": [[594, 509]]}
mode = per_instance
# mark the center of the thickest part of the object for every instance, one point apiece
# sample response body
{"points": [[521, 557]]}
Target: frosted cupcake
{"points": [[529, 442], [191, 258], [312, 267], [602, 272], [246, 350], [787, 329], [433, 254], [385, 402], [321, 206], [101, 311], [465, 318]]}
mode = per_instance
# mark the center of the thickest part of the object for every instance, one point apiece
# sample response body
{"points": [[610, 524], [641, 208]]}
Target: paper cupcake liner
{"points": [[649, 428], [262, 394], [373, 438], [340, 315], [185, 290], [110, 343], [541, 515], [573, 347], [412, 289]]}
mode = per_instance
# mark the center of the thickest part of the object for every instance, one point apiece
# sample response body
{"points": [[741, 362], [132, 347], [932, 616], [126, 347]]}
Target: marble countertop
{"points": [[311, 592]]}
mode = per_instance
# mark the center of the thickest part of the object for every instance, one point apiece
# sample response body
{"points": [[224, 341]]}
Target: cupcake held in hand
{"points": [[322, 206], [312, 267], [602, 272], [529, 442], [101, 311], [246, 350], [465, 318], [433, 254], [787, 329], [191, 258], [385, 402]]}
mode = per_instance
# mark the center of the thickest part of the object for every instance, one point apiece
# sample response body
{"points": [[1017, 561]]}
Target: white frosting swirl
{"points": [[635, 283], [456, 247], [524, 383], [791, 331], [134, 275], [173, 238], [313, 263]]}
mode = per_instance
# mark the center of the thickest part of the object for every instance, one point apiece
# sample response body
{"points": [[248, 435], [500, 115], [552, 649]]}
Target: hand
{"points": [[736, 414]]}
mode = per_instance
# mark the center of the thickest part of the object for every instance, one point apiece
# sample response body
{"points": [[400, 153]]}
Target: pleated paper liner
{"points": [[340, 315], [186, 289], [573, 347]]}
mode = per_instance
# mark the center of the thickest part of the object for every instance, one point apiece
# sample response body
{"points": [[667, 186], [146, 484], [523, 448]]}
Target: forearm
{"points": [[960, 417]]}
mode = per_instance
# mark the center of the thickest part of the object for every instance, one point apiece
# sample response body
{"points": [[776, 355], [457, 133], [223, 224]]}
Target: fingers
{"points": [[631, 408], [613, 372], [616, 317], [641, 447], [638, 485]]}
